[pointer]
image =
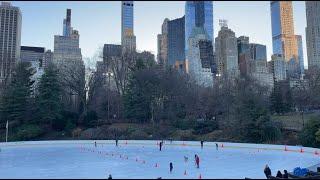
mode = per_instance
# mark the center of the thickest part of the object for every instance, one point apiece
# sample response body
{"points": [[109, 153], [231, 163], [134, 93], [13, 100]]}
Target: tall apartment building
{"points": [[10, 39], [226, 52], [162, 39], [48, 58], [198, 14], [68, 58], [199, 57], [128, 39], [278, 67], [284, 40], [313, 33], [300, 54], [171, 43]]}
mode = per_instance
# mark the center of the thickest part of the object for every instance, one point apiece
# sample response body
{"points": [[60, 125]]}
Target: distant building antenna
{"points": [[223, 23]]}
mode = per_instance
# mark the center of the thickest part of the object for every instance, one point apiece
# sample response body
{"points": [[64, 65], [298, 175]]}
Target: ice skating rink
{"points": [[142, 159]]}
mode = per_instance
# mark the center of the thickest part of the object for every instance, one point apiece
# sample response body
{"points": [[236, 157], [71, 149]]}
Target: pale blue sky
{"points": [[99, 22]]}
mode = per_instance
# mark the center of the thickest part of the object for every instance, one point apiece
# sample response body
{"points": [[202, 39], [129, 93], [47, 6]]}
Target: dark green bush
{"points": [[205, 126], [308, 135], [28, 132]]}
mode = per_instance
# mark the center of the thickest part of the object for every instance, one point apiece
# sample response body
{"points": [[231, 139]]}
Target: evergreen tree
{"points": [[49, 97], [15, 102]]}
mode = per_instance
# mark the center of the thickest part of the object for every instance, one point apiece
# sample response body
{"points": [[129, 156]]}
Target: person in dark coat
{"points": [[285, 174], [116, 142], [201, 144], [95, 144], [217, 146], [160, 144], [198, 161], [279, 174], [267, 171], [110, 177], [171, 167]]}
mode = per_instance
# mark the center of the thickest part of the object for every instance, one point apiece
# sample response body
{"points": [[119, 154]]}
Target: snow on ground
{"points": [[142, 159]]}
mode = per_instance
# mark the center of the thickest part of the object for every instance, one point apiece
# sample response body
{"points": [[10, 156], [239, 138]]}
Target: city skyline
{"points": [[107, 22]]}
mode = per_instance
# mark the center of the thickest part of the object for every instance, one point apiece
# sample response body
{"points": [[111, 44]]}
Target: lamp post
{"points": [[109, 75]]}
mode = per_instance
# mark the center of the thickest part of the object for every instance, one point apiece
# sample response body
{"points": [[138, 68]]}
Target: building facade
{"points": [[278, 67], [128, 39], [198, 14], [10, 39], [48, 58], [313, 33], [176, 40], [226, 52], [199, 57], [162, 56], [29, 53], [284, 40], [68, 58]]}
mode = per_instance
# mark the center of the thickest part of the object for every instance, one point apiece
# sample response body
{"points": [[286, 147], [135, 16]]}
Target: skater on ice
{"points": [[185, 158], [171, 167], [201, 144], [110, 177], [160, 144], [95, 144], [116, 142], [217, 146], [197, 161]]}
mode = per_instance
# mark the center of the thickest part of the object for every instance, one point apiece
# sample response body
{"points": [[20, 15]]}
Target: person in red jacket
{"points": [[197, 161]]}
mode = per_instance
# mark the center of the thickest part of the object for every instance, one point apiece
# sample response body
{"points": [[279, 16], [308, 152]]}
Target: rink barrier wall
{"points": [[224, 145]]}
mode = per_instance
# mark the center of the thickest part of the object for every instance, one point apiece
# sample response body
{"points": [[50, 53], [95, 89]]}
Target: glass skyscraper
{"points": [[128, 40], [176, 41], [198, 14]]}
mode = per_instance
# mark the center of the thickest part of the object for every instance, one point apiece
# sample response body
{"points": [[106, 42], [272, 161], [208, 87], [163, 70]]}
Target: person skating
{"points": [[197, 161], [185, 159], [201, 144], [285, 174], [279, 174], [217, 146], [110, 177], [95, 144], [160, 144], [267, 171], [116, 142], [171, 167]]}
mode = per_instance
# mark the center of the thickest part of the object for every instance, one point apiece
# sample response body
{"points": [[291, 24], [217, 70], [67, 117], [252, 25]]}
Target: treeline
{"points": [[159, 102]]}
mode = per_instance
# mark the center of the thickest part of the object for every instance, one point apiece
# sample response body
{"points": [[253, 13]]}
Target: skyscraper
{"points": [[176, 40], [68, 58], [198, 14], [163, 43], [10, 39], [284, 40], [226, 50], [300, 54], [67, 24], [313, 33], [128, 39], [199, 57]]}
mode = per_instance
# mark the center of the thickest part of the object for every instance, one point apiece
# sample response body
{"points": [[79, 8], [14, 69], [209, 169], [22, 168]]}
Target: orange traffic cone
{"points": [[185, 172]]}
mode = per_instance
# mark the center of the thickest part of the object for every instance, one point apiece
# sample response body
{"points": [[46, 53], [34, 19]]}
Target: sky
{"points": [[99, 22]]}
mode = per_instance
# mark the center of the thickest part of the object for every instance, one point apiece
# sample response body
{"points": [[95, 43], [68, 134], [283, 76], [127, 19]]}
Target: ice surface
{"points": [[81, 159]]}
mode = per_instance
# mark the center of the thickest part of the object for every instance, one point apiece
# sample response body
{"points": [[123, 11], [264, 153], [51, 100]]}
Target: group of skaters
{"points": [[267, 172]]}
